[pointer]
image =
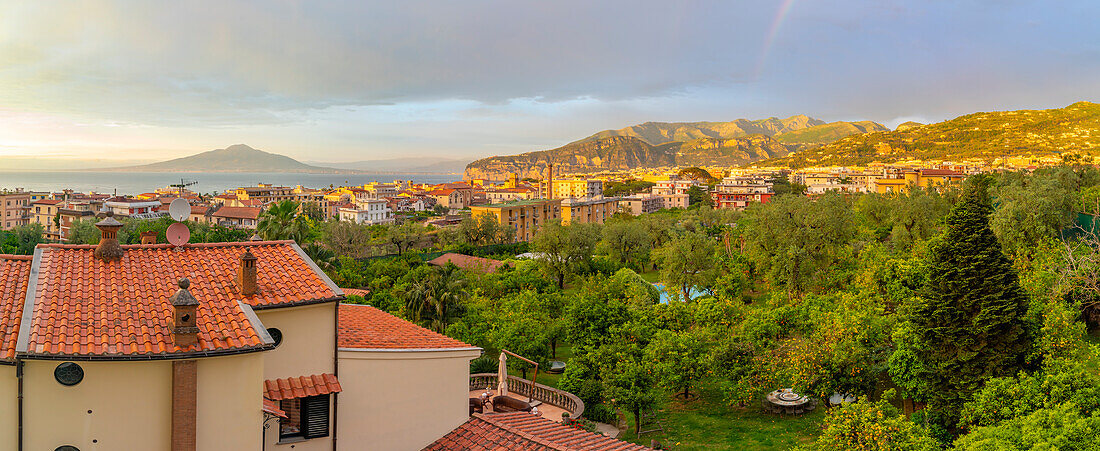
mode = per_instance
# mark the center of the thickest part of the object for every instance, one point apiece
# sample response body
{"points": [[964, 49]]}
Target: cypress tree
{"points": [[969, 321]]}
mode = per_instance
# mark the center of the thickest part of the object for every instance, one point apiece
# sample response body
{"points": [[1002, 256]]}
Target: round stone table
{"points": [[787, 401]]}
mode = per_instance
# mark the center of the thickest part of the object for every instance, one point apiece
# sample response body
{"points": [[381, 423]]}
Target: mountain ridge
{"points": [[235, 158], [661, 144], [982, 136]]}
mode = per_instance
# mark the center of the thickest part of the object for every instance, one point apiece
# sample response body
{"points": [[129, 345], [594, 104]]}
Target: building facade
{"points": [[640, 204], [15, 209], [523, 216], [593, 210]]}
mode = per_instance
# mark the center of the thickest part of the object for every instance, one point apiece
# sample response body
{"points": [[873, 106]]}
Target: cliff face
{"points": [[727, 152], [664, 144], [657, 133], [627, 152], [614, 153]]}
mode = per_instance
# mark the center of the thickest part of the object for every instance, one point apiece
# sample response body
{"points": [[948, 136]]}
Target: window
{"points": [[305, 417]]}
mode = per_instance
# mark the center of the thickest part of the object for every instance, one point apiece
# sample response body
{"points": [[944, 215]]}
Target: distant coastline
{"points": [[131, 183]]}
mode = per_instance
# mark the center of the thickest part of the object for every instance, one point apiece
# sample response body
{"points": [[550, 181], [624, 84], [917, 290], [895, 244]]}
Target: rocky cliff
{"points": [[619, 153]]}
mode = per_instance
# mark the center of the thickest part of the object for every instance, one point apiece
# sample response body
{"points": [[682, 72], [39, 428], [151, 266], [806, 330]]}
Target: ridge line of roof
{"points": [[316, 269], [169, 246], [27, 321], [257, 325], [16, 257]]}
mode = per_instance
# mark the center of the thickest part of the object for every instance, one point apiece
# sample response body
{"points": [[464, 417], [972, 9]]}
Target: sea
{"points": [[129, 183]]}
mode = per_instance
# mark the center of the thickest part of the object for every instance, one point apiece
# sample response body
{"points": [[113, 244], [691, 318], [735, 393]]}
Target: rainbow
{"points": [[777, 21]]}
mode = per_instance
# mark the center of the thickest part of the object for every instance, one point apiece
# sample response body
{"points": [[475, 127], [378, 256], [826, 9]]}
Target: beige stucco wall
{"points": [[229, 402], [402, 400], [9, 408], [307, 349], [130, 405], [308, 340]]}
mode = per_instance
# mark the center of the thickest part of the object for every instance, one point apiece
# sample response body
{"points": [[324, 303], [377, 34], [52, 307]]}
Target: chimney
{"points": [[549, 180], [108, 248], [246, 275], [184, 331], [149, 237], [184, 372]]}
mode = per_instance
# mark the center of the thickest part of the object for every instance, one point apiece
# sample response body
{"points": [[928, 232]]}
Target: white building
{"points": [[368, 211]]}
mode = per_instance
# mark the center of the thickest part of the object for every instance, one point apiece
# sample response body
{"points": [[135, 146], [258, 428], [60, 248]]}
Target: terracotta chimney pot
{"points": [[149, 237], [246, 274], [108, 248]]}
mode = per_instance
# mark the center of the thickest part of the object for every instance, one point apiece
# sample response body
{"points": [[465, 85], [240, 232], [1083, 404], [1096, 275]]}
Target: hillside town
{"points": [[569, 198]]}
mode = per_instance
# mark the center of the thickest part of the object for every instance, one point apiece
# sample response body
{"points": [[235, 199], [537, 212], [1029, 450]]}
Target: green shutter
{"points": [[315, 416]]}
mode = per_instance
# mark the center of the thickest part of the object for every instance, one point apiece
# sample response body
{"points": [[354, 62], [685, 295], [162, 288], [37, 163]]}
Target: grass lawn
{"points": [[708, 423]]}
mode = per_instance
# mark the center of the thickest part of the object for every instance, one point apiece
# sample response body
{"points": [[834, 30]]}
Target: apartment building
{"points": [[450, 198], [71, 211], [739, 192], [586, 188], [45, 212], [370, 211], [525, 216], [675, 200], [265, 193], [501, 195], [15, 208], [592, 210], [895, 180], [640, 204], [673, 186]]}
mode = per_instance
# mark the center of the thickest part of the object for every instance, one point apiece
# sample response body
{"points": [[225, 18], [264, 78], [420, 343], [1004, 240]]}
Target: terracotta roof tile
{"points": [[271, 407], [356, 292], [301, 386], [366, 327], [523, 431], [14, 273], [238, 212], [87, 307], [467, 262]]}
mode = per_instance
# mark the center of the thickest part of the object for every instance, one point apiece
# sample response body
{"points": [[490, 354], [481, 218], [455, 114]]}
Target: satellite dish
{"points": [[178, 234], [179, 209]]}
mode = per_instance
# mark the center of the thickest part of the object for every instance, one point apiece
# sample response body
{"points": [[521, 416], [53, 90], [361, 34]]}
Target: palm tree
{"points": [[436, 301], [281, 221], [324, 257]]}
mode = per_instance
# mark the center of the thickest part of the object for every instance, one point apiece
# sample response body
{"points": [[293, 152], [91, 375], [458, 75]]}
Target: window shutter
{"points": [[315, 416]]}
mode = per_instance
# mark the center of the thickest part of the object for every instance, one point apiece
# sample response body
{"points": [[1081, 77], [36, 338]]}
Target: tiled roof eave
{"points": [[144, 357], [336, 299]]}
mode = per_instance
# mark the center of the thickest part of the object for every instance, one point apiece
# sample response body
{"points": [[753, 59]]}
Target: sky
{"points": [[363, 80]]}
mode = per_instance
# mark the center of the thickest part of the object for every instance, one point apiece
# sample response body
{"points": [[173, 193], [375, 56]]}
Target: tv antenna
{"points": [[183, 184]]}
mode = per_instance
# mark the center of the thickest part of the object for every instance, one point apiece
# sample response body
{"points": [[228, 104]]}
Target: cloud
{"points": [[485, 77]]}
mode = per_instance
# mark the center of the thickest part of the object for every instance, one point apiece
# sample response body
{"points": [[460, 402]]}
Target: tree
{"points": [[700, 197], [484, 229], [969, 322], [628, 380], [436, 301], [1060, 428], [866, 425], [687, 262], [793, 238], [627, 242], [404, 236], [21, 240], [347, 238], [678, 358], [281, 221], [564, 248]]}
